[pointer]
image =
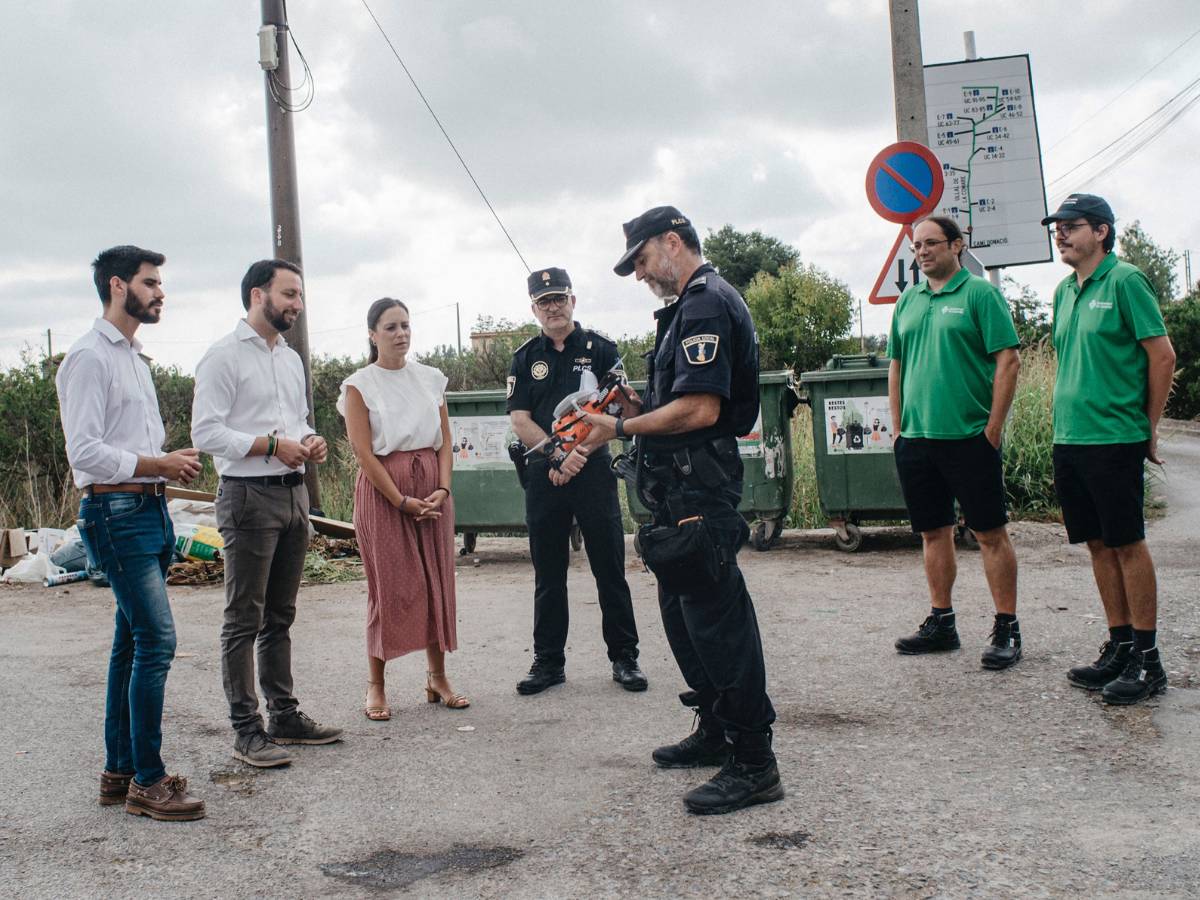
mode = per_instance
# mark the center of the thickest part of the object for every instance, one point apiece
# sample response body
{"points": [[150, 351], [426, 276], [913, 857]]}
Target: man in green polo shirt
{"points": [[953, 371], [1115, 367]]}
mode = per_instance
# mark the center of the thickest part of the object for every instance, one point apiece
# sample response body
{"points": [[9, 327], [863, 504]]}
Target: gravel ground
{"points": [[905, 776]]}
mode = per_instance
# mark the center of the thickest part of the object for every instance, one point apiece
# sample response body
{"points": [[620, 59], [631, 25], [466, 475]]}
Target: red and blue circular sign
{"points": [[904, 182]]}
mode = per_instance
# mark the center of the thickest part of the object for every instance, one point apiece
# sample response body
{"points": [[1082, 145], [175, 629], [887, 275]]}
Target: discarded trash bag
{"points": [[198, 542], [32, 570]]}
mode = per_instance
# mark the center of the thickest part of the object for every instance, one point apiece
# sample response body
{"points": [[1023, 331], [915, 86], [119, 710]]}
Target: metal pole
{"points": [[285, 205], [49, 346], [862, 335], [1187, 273], [908, 74], [458, 325]]}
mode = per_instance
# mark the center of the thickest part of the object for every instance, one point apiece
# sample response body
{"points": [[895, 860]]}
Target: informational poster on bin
{"points": [[481, 441], [858, 425], [750, 445]]}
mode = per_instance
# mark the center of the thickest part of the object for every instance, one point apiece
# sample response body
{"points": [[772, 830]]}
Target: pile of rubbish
{"points": [[55, 556]]}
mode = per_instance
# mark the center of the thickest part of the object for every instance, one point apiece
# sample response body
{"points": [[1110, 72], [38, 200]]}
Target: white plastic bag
{"points": [[33, 570]]}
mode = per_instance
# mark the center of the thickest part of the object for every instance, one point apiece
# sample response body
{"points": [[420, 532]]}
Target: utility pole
{"points": [[908, 72], [285, 196], [862, 334], [49, 346], [458, 325]]}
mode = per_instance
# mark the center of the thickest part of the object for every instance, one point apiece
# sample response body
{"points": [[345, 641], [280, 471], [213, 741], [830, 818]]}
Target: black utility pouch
{"points": [[683, 557]]}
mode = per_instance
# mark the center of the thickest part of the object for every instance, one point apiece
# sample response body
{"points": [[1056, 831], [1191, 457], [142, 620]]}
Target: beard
{"points": [[277, 319], [663, 283], [146, 313]]}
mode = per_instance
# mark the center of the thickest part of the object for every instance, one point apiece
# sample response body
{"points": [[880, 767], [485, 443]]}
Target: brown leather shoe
{"points": [[166, 800], [113, 787]]}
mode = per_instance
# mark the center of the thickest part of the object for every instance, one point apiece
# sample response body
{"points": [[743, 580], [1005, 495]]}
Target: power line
{"points": [[1130, 87], [466, 168]]}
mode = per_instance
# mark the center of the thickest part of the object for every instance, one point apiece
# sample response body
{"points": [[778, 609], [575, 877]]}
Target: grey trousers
{"points": [[265, 529]]}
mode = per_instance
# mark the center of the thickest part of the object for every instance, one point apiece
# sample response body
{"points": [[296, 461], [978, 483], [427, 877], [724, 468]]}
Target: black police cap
{"points": [[651, 223], [1078, 205], [548, 281]]}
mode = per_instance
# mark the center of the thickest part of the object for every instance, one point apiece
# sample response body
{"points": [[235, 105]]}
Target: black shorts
{"points": [[935, 473], [1101, 489]]}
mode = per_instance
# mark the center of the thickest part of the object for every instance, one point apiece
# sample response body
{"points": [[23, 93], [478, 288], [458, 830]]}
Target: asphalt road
{"points": [[905, 776]]}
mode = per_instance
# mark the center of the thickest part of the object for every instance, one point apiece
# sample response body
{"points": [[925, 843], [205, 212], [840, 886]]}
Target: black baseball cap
{"points": [[651, 223], [1078, 205], [548, 281]]}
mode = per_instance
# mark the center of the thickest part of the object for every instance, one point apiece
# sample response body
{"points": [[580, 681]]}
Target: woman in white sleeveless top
{"points": [[396, 419]]}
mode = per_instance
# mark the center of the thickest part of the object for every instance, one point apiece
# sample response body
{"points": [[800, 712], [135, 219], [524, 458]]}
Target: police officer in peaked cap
{"points": [[559, 487], [702, 392]]}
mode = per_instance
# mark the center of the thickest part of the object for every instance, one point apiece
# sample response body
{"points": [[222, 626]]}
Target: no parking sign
{"points": [[904, 183]]}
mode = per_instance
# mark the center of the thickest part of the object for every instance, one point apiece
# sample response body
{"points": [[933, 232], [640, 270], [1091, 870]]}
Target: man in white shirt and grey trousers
{"points": [[114, 438], [251, 413]]}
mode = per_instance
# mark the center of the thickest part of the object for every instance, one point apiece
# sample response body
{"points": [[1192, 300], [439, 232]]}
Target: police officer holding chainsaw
{"points": [[568, 482], [702, 392]]}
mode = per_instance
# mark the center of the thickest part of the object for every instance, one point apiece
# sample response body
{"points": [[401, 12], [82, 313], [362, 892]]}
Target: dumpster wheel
{"points": [[851, 540], [576, 537], [468, 546], [766, 533]]}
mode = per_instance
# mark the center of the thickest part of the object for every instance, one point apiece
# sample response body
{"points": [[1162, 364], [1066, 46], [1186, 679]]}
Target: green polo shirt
{"points": [[1100, 392], [945, 341]]}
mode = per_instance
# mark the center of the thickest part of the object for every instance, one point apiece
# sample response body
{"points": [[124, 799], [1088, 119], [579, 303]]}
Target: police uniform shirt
{"points": [[706, 344], [541, 376]]}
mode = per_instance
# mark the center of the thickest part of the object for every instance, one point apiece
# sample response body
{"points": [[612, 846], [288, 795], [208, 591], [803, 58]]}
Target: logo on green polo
{"points": [[1099, 304], [953, 310]]}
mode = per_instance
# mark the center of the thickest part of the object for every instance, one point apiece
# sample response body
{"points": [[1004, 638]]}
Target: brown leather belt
{"points": [[153, 488]]}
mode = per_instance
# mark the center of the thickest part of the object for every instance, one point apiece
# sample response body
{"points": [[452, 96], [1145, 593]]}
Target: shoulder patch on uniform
{"points": [[512, 384], [701, 349]]}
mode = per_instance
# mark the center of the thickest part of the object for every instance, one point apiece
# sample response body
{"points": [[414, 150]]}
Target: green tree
{"points": [[739, 255], [1030, 316], [803, 316], [1158, 263], [1183, 326]]}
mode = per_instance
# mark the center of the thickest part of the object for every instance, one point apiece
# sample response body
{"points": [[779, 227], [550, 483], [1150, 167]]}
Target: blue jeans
{"points": [[130, 538]]}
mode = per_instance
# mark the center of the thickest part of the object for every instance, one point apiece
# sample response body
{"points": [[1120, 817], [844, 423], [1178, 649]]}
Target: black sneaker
{"points": [[749, 776], [1142, 677], [542, 674], [1004, 648], [706, 746], [257, 749], [297, 728], [932, 637], [1094, 677], [628, 674]]}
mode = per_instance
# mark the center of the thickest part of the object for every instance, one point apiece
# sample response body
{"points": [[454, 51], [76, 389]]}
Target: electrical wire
{"points": [[1128, 88], [308, 85], [442, 128]]}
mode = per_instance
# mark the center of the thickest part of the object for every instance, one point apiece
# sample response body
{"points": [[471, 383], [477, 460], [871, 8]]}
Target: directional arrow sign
{"points": [[899, 272]]}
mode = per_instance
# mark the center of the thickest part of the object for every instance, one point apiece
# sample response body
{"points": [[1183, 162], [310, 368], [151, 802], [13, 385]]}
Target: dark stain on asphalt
{"points": [[818, 718], [779, 840], [390, 869]]}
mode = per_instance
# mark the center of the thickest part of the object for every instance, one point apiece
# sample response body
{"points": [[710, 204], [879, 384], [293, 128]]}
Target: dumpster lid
{"points": [[849, 367]]}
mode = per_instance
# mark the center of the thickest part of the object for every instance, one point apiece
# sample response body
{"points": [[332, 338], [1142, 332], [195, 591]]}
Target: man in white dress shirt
{"points": [[251, 413], [114, 438]]}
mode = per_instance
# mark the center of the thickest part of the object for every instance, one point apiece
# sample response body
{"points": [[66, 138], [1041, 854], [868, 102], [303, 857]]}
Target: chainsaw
{"points": [[612, 395]]}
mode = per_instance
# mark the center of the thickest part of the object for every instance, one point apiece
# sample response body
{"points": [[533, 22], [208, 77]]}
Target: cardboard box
{"points": [[12, 546]]}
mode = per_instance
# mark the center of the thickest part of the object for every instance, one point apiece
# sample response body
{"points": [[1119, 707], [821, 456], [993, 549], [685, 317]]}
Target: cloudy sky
{"points": [[143, 122]]}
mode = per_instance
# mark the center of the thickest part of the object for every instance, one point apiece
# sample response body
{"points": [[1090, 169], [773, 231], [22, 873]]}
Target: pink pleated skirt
{"points": [[409, 564]]}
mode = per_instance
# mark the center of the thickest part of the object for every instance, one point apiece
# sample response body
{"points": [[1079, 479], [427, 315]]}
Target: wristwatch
{"points": [[620, 428]]}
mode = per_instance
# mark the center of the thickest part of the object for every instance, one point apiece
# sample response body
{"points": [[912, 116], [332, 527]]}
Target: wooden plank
{"points": [[321, 524]]}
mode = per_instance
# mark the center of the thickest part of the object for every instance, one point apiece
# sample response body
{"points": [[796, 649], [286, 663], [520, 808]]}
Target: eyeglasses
{"points": [[916, 246], [551, 300], [1066, 229]]}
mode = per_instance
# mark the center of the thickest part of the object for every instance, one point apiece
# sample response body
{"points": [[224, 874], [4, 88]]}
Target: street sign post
{"points": [[904, 183]]}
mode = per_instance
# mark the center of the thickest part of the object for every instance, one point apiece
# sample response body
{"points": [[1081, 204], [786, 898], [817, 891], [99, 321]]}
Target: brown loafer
{"points": [[167, 800], [113, 787]]}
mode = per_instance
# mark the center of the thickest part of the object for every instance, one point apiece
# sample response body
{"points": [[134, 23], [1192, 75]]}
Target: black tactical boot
{"points": [[1004, 648], [1143, 676], [628, 674], [542, 674], [750, 776], [934, 635], [706, 746], [1094, 677]]}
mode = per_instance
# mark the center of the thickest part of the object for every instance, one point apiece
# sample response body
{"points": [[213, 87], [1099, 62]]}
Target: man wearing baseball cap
{"points": [[1115, 367], [701, 393]]}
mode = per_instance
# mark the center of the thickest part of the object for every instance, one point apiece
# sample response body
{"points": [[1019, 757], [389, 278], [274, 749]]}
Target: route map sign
{"points": [[983, 128]]}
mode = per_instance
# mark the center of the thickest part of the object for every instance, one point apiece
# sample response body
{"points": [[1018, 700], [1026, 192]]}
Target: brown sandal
{"points": [[377, 713], [433, 695]]}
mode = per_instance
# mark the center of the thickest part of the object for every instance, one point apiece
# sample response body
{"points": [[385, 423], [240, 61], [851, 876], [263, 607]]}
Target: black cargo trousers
{"points": [[590, 498], [712, 629]]}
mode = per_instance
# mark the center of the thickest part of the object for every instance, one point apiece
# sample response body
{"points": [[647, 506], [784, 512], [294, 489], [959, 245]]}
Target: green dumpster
{"points": [[488, 497], [852, 440], [767, 455]]}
